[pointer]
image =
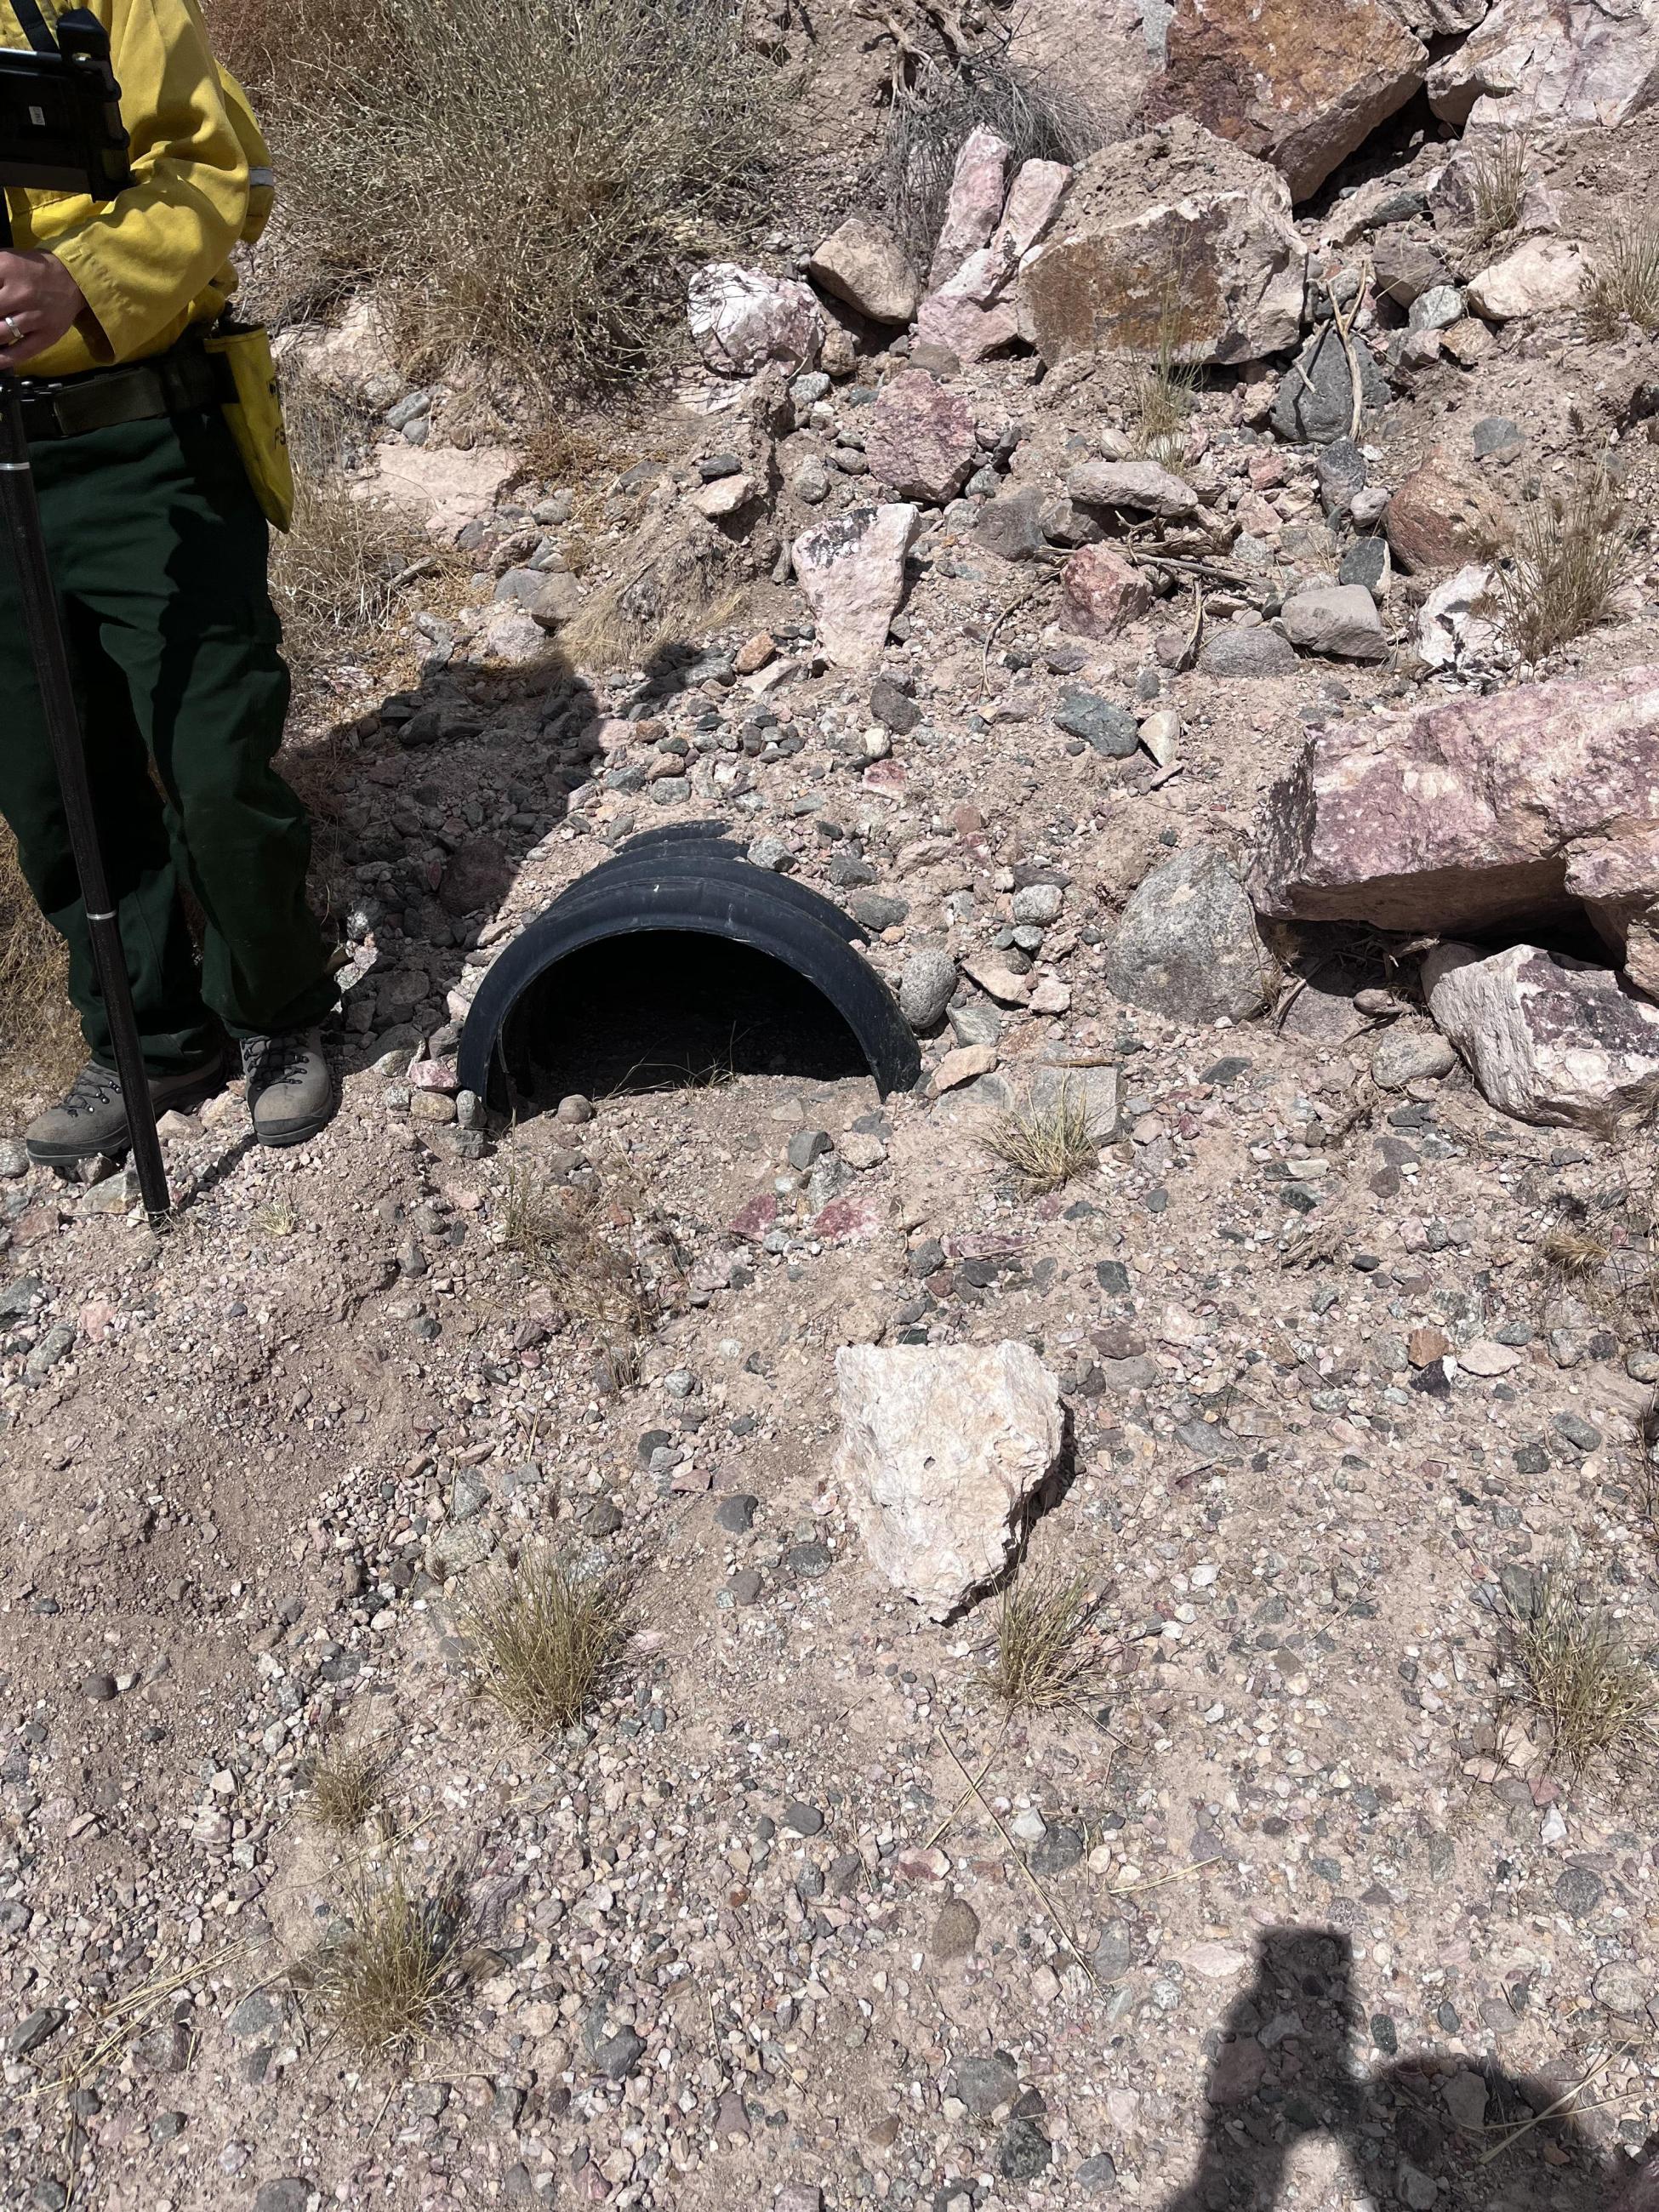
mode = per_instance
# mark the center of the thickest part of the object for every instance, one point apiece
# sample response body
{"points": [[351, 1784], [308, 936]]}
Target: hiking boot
{"points": [[93, 1121], [293, 1082]]}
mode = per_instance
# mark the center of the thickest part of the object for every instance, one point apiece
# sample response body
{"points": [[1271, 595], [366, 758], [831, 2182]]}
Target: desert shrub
{"points": [[1623, 282], [391, 1980], [929, 124], [1046, 1141], [548, 1639], [345, 1788], [1048, 1649], [525, 185], [40, 1038], [336, 576], [1497, 184], [1570, 554], [1579, 1673]]}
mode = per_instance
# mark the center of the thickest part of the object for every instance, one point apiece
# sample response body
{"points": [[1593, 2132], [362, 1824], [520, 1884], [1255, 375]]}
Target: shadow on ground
{"points": [[1285, 2070]]}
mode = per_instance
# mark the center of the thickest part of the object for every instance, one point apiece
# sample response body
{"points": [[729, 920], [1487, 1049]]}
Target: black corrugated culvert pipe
{"points": [[686, 880]]}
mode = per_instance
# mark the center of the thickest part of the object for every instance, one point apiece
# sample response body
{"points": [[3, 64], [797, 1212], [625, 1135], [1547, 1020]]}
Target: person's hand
{"points": [[40, 301]]}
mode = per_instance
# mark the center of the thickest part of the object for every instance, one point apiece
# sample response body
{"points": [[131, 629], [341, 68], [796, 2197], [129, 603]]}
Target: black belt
{"points": [[173, 383]]}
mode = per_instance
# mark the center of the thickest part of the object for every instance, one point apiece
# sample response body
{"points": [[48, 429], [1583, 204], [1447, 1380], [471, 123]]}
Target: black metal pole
{"points": [[20, 518]]}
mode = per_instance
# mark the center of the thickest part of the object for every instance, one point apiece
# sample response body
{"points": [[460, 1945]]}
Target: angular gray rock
{"points": [[1338, 619], [1548, 1038], [926, 987], [1010, 527], [941, 1446], [1188, 946], [864, 264], [1110, 730], [1314, 405], [1235, 650], [1142, 486]]}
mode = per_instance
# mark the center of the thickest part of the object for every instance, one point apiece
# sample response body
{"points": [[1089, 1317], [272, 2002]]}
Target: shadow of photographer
{"points": [[1479, 2139]]}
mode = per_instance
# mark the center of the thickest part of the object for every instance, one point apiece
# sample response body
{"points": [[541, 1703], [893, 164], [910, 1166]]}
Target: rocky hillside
{"points": [[687, 1632]]}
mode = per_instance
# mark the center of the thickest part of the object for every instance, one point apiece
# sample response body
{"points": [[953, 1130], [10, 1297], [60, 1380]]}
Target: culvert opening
{"points": [[659, 1010]]}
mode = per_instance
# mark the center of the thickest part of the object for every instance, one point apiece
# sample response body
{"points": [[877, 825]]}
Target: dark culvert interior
{"points": [[664, 1010]]}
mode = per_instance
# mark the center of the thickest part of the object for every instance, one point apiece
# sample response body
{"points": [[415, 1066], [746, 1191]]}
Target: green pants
{"points": [[158, 552]]}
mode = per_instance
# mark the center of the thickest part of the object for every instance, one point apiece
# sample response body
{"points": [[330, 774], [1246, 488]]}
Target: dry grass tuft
{"points": [[1498, 180], [1571, 553], [526, 187], [682, 589], [1047, 1654], [1581, 1676], [1046, 1144], [548, 1639], [337, 576], [392, 1981], [345, 1788], [40, 1042], [582, 1245], [1624, 283], [1574, 1254], [1166, 390], [929, 124]]}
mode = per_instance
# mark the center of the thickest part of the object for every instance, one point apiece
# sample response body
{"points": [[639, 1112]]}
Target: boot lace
{"points": [[271, 1062], [92, 1089]]}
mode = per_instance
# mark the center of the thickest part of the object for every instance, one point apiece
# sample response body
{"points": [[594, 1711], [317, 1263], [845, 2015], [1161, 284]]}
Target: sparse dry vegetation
{"points": [[1046, 1143], [547, 1639], [930, 122], [583, 1246], [1047, 1652], [1164, 399], [40, 1038], [526, 191], [1559, 577], [1580, 1676], [345, 1788], [1623, 286], [1498, 180], [392, 1980]]}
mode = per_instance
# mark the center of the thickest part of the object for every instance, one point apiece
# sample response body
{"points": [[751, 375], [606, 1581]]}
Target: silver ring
{"points": [[11, 323]]}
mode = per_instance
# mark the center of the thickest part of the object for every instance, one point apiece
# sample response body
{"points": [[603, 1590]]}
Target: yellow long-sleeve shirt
{"points": [[157, 259]]}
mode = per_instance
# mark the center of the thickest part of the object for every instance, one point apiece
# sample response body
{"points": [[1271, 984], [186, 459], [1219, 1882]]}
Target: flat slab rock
{"points": [[1479, 813], [941, 1446], [1549, 1039], [852, 571]]}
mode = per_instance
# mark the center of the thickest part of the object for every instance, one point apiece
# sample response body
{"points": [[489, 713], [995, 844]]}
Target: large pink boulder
{"points": [[1534, 64], [1479, 813], [972, 311], [851, 571], [920, 442], [1101, 593], [1302, 86]]}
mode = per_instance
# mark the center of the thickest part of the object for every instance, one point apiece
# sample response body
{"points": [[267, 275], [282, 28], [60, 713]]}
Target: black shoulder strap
{"points": [[32, 24]]}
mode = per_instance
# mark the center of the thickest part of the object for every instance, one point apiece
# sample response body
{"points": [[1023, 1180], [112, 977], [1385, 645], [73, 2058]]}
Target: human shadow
{"points": [[1474, 2139], [423, 822]]}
